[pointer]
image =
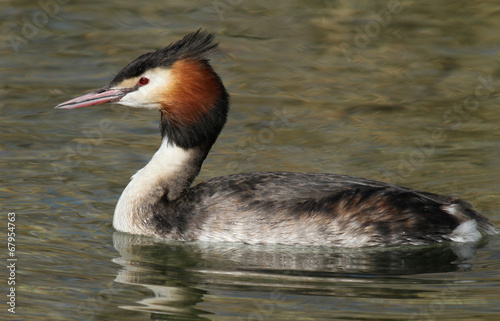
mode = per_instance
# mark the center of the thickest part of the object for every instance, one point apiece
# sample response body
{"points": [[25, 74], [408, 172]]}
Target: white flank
{"points": [[466, 232]]}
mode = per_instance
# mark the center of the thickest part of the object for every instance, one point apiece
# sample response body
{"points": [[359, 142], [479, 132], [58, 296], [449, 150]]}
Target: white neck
{"points": [[167, 172]]}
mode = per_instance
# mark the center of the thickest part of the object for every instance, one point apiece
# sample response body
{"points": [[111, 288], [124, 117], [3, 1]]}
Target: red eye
{"points": [[143, 81]]}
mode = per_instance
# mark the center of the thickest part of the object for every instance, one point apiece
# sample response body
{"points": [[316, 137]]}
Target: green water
{"points": [[405, 92]]}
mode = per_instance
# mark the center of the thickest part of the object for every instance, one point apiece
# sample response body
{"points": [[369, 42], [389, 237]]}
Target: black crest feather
{"points": [[197, 45]]}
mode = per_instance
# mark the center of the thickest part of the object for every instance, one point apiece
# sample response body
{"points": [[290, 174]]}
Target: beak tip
{"points": [[97, 97], [60, 106]]}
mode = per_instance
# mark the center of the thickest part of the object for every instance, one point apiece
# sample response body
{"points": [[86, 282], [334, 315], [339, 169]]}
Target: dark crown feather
{"points": [[197, 45]]}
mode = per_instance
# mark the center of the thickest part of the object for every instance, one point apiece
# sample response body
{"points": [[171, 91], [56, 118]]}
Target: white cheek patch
{"points": [[150, 95]]}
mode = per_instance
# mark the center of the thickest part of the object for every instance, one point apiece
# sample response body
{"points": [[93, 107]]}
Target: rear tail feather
{"points": [[472, 225]]}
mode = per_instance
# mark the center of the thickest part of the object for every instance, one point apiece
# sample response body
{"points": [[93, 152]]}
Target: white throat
{"points": [[148, 186]]}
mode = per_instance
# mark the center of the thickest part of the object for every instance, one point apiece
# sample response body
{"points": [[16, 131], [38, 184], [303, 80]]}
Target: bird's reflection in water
{"points": [[184, 276]]}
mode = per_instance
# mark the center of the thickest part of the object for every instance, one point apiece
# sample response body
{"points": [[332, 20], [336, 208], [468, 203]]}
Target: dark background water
{"points": [[405, 92]]}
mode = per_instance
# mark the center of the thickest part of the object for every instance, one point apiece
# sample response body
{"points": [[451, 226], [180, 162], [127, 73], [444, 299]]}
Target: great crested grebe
{"points": [[261, 207]]}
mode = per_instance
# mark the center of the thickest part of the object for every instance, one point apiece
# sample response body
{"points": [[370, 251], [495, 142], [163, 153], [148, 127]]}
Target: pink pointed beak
{"points": [[98, 97]]}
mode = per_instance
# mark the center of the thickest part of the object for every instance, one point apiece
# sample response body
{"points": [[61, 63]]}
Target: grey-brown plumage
{"points": [[320, 209], [276, 207]]}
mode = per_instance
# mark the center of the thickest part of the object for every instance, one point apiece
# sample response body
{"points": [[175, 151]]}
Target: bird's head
{"points": [[177, 80]]}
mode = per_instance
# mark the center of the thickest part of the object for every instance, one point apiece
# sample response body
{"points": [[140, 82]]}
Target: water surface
{"points": [[406, 94]]}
